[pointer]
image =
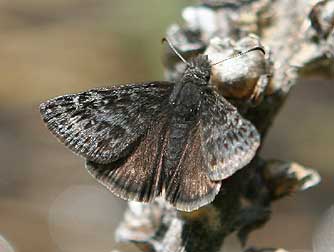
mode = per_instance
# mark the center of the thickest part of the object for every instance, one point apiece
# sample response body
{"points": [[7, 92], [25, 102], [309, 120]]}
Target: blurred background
{"points": [[48, 202]]}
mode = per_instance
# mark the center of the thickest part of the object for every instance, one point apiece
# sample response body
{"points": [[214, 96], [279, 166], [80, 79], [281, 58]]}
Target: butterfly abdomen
{"points": [[184, 117]]}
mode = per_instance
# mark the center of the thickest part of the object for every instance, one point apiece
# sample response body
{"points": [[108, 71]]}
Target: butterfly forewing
{"points": [[101, 124], [229, 141]]}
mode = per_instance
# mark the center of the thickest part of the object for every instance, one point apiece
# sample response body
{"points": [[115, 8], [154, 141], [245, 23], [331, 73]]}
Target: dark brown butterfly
{"points": [[141, 141]]}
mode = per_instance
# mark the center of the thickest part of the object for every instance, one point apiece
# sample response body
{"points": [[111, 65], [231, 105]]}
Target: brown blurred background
{"points": [[48, 201]]}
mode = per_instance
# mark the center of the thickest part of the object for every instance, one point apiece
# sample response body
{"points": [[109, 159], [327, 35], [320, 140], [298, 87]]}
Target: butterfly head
{"points": [[199, 70]]}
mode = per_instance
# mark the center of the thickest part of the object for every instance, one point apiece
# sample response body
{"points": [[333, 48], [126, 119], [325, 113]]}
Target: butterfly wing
{"points": [[138, 175], [103, 124], [229, 141], [187, 184]]}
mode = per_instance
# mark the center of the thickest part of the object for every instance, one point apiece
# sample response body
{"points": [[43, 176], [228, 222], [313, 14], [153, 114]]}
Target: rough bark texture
{"points": [[298, 37]]}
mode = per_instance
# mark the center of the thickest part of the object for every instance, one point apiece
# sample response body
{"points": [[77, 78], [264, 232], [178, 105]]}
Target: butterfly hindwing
{"points": [[101, 124], [137, 176], [229, 141], [187, 184]]}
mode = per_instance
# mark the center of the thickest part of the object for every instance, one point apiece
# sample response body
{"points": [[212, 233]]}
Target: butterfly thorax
{"points": [[185, 102], [198, 71], [185, 99], [195, 77]]}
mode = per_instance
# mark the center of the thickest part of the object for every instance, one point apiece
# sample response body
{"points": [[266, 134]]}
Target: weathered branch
{"points": [[299, 42]]}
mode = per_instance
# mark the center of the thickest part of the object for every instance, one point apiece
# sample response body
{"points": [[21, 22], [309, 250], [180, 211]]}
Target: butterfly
{"points": [[142, 141]]}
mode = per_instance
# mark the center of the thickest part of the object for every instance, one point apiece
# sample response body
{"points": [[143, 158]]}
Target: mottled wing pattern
{"points": [[101, 124], [229, 141], [187, 185], [137, 176]]}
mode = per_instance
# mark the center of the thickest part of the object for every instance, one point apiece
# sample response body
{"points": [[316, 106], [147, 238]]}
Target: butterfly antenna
{"points": [[174, 50], [256, 48]]}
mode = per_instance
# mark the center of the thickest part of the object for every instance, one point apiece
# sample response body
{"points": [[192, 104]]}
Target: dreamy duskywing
{"points": [[141, 141]]}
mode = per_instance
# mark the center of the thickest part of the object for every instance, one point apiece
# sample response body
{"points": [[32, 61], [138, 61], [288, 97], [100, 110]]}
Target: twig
{"points": [[298, 39]]}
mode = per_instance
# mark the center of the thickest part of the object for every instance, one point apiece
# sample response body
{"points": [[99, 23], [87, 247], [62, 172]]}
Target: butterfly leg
{"points": [[251, 219], [259, 90]]}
